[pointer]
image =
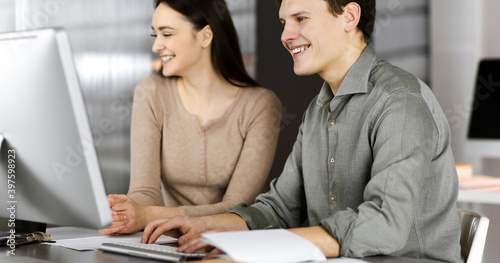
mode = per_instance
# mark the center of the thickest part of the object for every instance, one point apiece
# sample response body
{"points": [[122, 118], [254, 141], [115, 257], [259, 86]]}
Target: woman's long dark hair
{"points": [[226, 52]]}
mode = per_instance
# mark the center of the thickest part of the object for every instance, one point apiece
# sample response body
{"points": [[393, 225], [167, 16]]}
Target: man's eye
{"points": [[300, 18], [153, 35]]}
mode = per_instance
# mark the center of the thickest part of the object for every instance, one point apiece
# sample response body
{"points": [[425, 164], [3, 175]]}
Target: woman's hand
{"points": [[128, 216]]}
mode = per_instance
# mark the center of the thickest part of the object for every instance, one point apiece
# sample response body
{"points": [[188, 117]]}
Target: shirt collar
{"points": [[356, 79]]}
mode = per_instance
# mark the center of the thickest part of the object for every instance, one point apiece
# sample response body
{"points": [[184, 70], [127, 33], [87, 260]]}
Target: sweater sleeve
{"points": [[145, 142], [255, 159]]}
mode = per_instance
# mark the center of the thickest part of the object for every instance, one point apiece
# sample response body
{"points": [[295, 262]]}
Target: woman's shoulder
{"points": [[260, 96], [156, 83]]}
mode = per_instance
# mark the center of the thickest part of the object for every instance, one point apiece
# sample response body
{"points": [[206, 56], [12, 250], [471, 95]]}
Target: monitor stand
{"points": [[1, 140]]}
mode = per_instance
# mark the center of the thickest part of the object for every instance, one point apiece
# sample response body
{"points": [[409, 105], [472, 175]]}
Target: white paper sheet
{"points": [[341, 260], [93, 243], [329, 260], [276, 246]]}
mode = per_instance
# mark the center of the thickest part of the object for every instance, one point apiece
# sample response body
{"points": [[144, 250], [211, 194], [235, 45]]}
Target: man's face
{"points": [[313, 36]]}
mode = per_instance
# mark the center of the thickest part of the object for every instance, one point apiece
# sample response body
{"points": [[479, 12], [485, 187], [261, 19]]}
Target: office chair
{"points": [[473, 237]]}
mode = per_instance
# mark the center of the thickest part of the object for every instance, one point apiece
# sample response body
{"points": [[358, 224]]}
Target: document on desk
{"points": [[273, 245], [94, 243]]}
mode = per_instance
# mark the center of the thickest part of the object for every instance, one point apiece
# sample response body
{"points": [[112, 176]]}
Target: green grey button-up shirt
{"points": [[373, 165]]}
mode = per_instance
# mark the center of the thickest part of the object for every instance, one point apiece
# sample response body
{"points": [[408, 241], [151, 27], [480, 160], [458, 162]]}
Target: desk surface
{"points": [[40, 253], [481, 195]]}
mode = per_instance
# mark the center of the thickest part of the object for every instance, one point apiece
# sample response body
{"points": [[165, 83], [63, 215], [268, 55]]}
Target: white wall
{"points": [[7, 19], [455, 51], [463, 32], [491, 32]]}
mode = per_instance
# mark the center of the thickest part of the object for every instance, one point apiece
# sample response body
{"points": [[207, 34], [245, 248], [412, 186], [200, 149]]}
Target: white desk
{"points": [[483, 196], [39, 253]]}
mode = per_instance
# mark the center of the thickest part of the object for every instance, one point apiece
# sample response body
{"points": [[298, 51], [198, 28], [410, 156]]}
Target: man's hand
{"points": [[188, 230], [181, 227]]}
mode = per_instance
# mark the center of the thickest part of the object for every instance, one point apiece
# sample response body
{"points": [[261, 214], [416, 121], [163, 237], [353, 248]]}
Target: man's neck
{"points": [[335, 77]]}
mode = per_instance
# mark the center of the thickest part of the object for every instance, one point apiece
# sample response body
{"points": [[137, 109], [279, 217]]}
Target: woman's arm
{"points": [[145, 144]]}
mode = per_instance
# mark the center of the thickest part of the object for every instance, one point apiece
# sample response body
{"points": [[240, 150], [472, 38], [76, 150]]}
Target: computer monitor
{"points": [[49, 171], [483, 140]]}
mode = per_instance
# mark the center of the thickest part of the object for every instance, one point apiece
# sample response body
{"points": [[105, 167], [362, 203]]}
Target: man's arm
{"points": [[188, 230], [321, 238]]}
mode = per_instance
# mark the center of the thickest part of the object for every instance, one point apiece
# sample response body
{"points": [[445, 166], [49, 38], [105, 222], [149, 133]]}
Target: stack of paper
{"points": [[274, 245]]}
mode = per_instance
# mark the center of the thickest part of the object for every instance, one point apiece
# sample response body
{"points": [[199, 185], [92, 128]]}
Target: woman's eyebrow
{"points": [[161, 28]]}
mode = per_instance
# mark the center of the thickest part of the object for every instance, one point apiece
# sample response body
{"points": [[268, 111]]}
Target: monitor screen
{"points": [[485, 115], [49, 171], [483, 138]]}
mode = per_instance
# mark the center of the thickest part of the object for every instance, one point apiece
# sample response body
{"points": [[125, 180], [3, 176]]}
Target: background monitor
{"points": [[483, 143], [49, 171]]}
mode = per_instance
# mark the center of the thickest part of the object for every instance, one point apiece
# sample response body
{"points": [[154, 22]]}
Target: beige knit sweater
{"points": [[204, 169]]}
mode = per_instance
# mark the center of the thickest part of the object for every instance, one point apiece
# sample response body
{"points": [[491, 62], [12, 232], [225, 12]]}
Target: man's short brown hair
{"points": [[367, 19]]}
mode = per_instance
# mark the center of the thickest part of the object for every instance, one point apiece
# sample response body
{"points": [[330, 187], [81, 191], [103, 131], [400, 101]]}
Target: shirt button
{"points": [[332, 160], [333, 123], [332, 198]]}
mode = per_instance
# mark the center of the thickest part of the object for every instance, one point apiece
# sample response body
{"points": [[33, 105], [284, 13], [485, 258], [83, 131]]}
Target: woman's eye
{"points": [[156, 35], [301, 18]]}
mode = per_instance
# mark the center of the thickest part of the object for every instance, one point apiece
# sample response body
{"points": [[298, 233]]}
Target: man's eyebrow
{"points": [[300, 13], [296, 14]]}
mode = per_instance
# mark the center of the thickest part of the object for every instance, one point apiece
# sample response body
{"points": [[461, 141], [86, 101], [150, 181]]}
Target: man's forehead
{"points": [[294, 7]]}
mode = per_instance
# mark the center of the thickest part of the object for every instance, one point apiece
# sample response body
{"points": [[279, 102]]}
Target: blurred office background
{"points": [[440, 41], [112, 53]]}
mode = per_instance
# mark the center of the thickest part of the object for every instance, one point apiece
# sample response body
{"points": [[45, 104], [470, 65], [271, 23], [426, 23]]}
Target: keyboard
{"points": [[150, 251]]}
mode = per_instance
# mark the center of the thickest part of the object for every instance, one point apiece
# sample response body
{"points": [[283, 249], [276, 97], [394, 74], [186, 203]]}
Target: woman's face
{"points": [[177, 43]]}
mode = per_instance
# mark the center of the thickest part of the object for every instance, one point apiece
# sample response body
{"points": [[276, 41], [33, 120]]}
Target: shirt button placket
{"points": [[332, 159]]}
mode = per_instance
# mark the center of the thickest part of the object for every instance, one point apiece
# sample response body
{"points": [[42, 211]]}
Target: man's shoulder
{"points": [[391, 78]]}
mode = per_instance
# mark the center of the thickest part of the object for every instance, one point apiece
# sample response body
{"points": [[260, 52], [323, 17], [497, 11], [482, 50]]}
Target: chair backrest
{"points": [[473, 237]]}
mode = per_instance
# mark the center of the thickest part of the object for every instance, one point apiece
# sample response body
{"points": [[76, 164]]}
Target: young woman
{"points": [[204, 134]]}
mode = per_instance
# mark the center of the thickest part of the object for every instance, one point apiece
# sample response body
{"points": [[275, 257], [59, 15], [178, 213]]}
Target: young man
{"points": [[372, 169]]}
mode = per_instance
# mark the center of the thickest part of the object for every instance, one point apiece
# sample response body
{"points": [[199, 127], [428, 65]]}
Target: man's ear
{"points": [[351, 15], [206, 36]]}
